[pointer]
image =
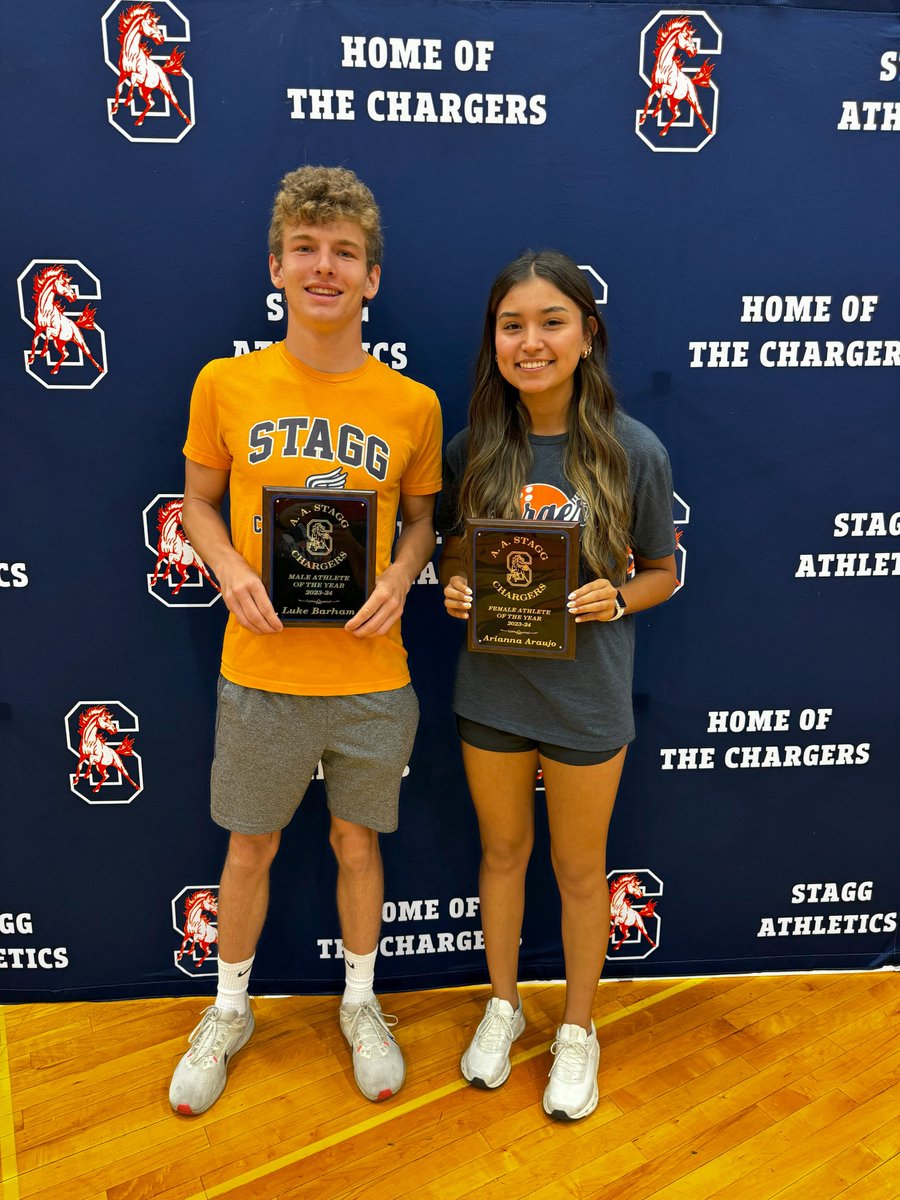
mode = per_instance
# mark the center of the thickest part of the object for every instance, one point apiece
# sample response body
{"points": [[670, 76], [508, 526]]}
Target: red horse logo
{"points": [[93, 751], [623, 916], [137, 68], [668, 80], [50, 320], [198, 929], [174, 549]]}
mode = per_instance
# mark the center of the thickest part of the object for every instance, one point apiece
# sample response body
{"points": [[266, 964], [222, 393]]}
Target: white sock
{"points": [[359, 977], [234, 980]]}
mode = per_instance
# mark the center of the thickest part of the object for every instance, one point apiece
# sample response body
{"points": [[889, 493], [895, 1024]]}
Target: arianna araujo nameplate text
{"points": [[521, 574]]}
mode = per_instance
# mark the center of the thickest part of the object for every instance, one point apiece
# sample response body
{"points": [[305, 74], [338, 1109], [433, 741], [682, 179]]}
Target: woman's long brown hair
{"points": [[499, 453]]}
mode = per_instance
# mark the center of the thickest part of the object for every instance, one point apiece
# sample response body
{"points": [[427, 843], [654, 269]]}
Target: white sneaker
{"points": [[572, 1092], [378, 1065], [200, 1076], [486, 1062]]}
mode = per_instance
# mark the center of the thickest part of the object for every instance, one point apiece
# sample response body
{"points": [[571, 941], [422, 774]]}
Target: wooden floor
{"points": [[746, 1088]]}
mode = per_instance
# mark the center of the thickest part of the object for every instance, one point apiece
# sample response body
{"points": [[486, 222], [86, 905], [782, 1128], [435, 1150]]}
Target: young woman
{"points": [[546, 440]]}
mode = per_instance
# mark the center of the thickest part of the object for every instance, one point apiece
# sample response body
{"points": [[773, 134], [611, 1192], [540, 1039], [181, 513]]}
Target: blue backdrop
{"points": [[744, 259]]}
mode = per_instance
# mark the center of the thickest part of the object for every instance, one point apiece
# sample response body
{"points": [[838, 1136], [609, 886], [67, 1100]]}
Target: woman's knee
{"points": [[506, 855], [579, 877]]}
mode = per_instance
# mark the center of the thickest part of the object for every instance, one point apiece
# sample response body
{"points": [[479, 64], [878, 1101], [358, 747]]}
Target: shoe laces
{"points": [[208, 1038], [570, 1059], [371, 1030], [495, 1030]]}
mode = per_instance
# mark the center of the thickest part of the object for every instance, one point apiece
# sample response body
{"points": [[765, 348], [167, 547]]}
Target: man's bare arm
{"points": [[242, 588]]}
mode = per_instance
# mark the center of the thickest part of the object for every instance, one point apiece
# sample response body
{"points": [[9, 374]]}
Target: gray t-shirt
{"points": [[583, 704]]}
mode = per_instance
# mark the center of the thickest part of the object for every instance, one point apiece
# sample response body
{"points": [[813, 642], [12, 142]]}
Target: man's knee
{"points": [[252, 853], [355, 846]]}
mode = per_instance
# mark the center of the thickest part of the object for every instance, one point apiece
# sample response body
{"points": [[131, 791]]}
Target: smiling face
{"points": [[324, 275], [539, 337]]}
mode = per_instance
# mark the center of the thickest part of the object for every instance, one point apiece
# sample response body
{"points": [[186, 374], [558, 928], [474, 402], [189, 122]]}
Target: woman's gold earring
{"points": [[586, 352]]}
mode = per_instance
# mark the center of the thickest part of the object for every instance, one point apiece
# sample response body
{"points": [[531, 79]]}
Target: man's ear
{"points": [[372, 283]]}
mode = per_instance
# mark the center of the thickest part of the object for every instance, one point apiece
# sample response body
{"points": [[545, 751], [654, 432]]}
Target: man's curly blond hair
{"points": [[320, 195]]}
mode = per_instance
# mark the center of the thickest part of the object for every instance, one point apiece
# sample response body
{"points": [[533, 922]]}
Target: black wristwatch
{"points": [[620, 607]]}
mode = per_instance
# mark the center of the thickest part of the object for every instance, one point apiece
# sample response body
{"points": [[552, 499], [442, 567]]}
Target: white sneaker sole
{"points": [[559, 1114], [477, 1081]]}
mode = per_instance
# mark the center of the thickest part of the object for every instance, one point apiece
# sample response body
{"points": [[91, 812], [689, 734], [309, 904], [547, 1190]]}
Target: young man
{"points": [[314, 410]]}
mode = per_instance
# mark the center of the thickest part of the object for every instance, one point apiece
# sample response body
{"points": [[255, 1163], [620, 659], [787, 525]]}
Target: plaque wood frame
{"points": [[322, 586], [522, 568]]}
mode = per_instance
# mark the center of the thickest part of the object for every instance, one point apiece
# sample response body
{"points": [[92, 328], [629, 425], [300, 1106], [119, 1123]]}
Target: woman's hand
{"points": [[458, 597], [596, 601]]}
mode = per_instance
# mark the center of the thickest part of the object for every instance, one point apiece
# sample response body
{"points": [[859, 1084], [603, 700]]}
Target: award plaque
{"points": [[318, 553], [521, 574]]}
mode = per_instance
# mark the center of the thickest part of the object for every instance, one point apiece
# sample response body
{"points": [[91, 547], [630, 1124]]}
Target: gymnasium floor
{"points": [[748, 1088]]}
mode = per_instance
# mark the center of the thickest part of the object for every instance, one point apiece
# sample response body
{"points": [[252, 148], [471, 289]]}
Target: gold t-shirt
{"points": [[271, 420]]}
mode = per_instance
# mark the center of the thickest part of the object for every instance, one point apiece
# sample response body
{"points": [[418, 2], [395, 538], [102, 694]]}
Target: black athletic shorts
{"points": [[485, 737]]}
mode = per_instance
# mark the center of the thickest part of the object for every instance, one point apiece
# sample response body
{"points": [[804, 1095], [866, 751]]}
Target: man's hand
{"points": [[383, 608], [244, 593]]}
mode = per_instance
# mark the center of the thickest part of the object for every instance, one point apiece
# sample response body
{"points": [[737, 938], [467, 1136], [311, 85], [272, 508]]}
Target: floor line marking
{"points": [[400, 1110], [9, 1171]]}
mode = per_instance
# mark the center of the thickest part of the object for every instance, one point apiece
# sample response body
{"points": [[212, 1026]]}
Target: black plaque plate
{"points": [[318, 553], [521, 574]]}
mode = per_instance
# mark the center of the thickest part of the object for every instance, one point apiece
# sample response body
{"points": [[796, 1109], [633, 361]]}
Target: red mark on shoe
{"points": [[186, 1110], [385, 1094]]}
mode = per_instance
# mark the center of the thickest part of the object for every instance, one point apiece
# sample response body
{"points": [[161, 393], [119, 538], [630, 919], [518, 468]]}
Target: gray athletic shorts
{"points": [[268, 745]]}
